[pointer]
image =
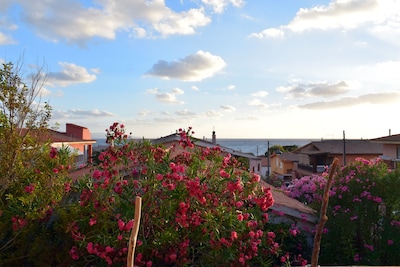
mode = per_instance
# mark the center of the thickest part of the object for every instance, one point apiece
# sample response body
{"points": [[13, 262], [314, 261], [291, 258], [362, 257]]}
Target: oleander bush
{"points": [[363, 226], [198, 208]]}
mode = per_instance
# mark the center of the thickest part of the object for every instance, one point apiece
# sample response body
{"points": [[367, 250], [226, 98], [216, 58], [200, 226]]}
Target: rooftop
{"points": [[336, 146]]}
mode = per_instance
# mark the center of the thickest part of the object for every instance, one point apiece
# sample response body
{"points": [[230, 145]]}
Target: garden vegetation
{"points": [[199, 206]]}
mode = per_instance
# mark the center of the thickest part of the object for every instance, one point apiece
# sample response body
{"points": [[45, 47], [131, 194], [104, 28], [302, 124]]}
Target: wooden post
{"points": [[134, 233], [323, 218]]}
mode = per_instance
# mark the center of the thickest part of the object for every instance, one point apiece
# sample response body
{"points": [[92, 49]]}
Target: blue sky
{"points": [[246, 69]]}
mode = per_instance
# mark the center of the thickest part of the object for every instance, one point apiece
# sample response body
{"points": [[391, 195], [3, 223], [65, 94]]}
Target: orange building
{"points": [[78, 139]]}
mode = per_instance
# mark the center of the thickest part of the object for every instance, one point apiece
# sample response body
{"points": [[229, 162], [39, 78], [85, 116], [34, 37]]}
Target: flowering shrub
{"points": [[115, 134], [308, 190], [364, 214], [198, 209], [28, 205]]}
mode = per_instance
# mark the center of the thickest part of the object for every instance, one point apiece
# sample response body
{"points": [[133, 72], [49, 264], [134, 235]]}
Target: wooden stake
{"points": [[323, 218], [134, 233]]}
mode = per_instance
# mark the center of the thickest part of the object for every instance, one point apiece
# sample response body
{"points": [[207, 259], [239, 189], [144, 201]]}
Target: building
{"points": [[283, 164], [78, 139], [315, 156], [391, 149]]}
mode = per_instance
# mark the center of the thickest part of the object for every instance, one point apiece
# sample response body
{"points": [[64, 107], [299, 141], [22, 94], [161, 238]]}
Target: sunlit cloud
{"points": [[228, 108], [168, 98], [260, 94], [70, 74], [195, 67], [257, 103], [374, 99], [317, 89], [375, 17]]}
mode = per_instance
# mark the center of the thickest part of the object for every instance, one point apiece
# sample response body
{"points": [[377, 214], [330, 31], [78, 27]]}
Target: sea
{"points": [[257, 147]]}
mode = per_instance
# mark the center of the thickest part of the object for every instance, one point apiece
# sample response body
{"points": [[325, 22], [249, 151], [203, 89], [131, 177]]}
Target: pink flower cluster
{"points": [[116, 132], [196, 203]]}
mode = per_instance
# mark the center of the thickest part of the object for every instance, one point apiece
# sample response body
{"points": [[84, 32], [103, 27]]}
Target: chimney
{"points": [[390, 132], [214, 138]]}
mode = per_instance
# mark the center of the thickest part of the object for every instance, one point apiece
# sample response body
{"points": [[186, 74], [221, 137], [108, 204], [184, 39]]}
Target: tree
{"points": [[275, 148], [23, 122], [33, 176]]}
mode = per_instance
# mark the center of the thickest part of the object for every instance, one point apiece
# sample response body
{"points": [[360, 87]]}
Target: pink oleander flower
{"points": [[370, 247], [74, 253], [92, 221], [53, 152], [357, 257], [355, 217], [29, 188]]}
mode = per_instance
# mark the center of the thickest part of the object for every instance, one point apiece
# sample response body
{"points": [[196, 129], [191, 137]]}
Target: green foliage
{"points": [[363, 226], [33, 176], [23, 123], [275, 148]]}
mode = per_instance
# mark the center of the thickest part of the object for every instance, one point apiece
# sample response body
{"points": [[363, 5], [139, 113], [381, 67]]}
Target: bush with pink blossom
{"points": [[199, 209], [363, 224]]}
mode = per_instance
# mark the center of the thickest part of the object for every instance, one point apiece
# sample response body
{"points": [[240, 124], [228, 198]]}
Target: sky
{"points": [[244, 69]]}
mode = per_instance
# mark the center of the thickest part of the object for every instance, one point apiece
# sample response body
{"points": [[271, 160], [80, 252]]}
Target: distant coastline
{"points": [[247, 145]]}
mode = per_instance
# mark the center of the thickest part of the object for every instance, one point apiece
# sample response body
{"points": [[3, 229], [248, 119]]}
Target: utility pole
{"points": [[344, 148]]}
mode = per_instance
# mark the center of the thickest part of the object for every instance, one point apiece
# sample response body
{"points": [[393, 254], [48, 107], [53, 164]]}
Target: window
{"points": [[398, 152]]}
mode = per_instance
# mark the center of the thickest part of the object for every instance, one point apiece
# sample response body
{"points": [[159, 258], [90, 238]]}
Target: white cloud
{"points": [[269, 33], [388, 31], [145, 112], [375, 16], [257, 103], [249, 118], [177, 91], [53, 21], [228, 108], [231, 87], [70, 74], [169, 98], [386, 71], [153, 91], [195, 88], [374, 98], [78, 113], [260, 94], [220, 5], [194, 67], [44, 92], [318, 89], [185, 112], [6, 39], [213, 113]]}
